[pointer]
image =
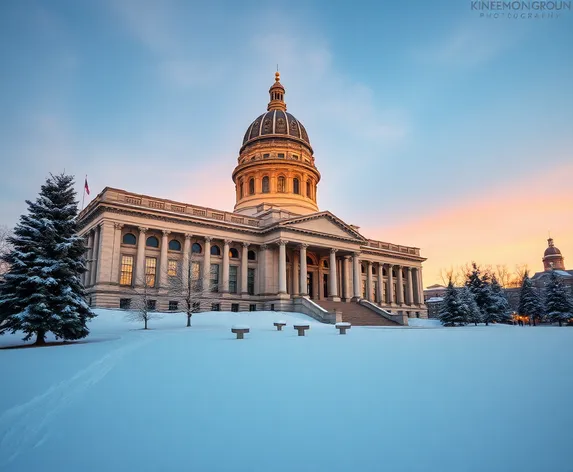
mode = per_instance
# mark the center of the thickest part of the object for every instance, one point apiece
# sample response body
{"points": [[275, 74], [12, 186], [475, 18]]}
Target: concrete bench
{"points": [[301, 328], [342, 327], [279, 325], [240, 331]]}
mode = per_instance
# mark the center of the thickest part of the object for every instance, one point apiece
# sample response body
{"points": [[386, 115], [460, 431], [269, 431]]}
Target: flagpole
{"points": [[84, 194]]}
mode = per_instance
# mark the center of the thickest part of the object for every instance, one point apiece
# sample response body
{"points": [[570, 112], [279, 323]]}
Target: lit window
{"points": [[150, 271], [281, 184], [129, 238], [233, 253], [172, 268], [196, 248], [295, 186], [174, 245], [251, 186], [152, 241], [265, 184], [126, 270], [215, 250], [325, 264]]}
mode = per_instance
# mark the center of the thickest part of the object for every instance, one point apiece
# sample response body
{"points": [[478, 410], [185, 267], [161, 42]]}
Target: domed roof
{"points": [[276, 122], [552, 251]]}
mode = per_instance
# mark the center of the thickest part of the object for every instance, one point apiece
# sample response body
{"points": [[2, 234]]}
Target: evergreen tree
{"points": [[557, 301], [500, 304], [529, 301], [479, 284], [42, 290], [452, 310], [472, 311]]}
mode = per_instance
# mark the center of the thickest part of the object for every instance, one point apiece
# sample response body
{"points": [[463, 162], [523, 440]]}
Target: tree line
{"points": [[480, 299]]}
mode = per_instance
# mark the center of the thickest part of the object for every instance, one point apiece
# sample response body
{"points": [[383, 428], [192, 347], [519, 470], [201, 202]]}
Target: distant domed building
{"points": [[553, 260], [275, 251]]}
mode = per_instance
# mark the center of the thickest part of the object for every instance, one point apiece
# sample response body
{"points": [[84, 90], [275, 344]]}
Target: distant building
{"points": [[553, 260], [433, 291]]}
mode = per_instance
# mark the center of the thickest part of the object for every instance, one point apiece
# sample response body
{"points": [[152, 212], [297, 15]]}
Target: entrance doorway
{"points": [[324, 285], [309, 284]]}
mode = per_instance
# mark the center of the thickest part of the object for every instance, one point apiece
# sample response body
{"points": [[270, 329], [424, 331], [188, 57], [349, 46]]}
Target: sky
{"points": [[431, 125]]}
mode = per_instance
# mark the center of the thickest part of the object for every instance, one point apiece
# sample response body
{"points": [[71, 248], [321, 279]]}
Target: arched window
{"points": [[152, 241], [241, 190], [233, 253], [281, 184], [129, 238], [266, 184], [196, 248], [309, 260], [295, 186], [325, 264], [308, 189], [251, 256], [174, 245], [362, 269], [251, 186], [373, 270], [215, 250]]}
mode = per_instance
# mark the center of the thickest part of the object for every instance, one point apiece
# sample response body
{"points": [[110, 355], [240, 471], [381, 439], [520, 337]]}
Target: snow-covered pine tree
{"points": [[480, 286], [42, 290], [501, 305], [557, 301], [452, 310], [473, 314], [529, 301]]}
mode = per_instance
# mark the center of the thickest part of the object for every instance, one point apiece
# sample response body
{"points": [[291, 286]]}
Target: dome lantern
{"points": [[277, 93]]}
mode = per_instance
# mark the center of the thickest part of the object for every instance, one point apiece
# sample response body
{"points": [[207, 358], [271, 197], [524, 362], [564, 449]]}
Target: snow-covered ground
{"points": [[197, 399]]}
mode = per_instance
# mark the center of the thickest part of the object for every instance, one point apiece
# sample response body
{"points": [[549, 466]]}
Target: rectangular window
{"points": [[281, 155], [126, 270], [150, 271], [214, 277], [125, 303], [266, 156], [172, 268], [173, 305], [252, 307], [294, 156], [235, 307], [233, 279], [251, 281], [151, 305], [272, 307], [215, 307], [196, 307]]}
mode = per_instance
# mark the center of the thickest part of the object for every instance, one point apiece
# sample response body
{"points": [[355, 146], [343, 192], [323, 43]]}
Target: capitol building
{"points": [[276, 251]]}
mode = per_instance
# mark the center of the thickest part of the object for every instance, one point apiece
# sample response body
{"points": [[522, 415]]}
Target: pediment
{"points": [[323, 223]]}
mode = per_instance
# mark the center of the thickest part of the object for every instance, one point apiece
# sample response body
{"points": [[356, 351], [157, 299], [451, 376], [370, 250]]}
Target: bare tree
{"points": [[143, 309], [5, 247], [520, 271], [454, 274], [503, 275], [187, 286]]}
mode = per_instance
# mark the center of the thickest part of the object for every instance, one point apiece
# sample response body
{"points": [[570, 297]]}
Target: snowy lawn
{"points": [[172, 398]]}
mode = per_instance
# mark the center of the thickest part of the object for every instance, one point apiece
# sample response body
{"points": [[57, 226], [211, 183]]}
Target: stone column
{"points": [[140, 258], [186, 269], [163, 259], [207, 265], [420, 286], [295, 275], [409, 287], [263, 269], [95, 255], [369, 295], [357, 274], [303, 274], [116, 253], [89, 261], [346, 278], [332, 276], [390, 286], [245, 269], [380, 285], [282, 267], [400, 287], [227, 242]]}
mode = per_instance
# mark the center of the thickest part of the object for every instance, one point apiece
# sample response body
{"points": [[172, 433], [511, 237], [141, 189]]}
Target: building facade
{"points": [[273, 250]]}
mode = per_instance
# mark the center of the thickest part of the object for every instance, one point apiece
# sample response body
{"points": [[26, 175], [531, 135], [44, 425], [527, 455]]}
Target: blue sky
{"points": [[431, 107]]}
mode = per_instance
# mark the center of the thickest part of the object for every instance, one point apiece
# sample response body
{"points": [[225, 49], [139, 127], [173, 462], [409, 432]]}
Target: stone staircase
{"points": [[356, 314]]}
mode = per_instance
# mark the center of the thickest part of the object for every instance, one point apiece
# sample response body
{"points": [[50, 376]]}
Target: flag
{"points": [[86, 186]]}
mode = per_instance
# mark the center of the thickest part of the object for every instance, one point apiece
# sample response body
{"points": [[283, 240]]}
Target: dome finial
{"points": [[277, 92]]}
